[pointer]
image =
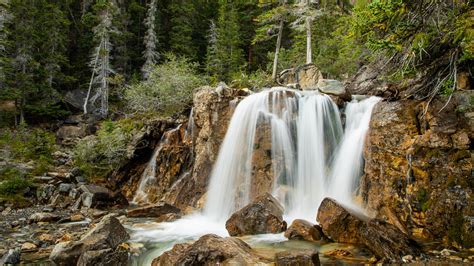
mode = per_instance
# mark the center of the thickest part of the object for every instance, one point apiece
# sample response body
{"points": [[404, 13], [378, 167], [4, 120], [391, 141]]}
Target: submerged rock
{"points": [[103, 240], [210, 250], [291, 258], [264, 215], [304, 230], [155, 210], [343, 225]]}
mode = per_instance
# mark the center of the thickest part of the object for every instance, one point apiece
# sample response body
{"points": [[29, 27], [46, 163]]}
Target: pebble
{"points": [[445, 252], [27, 246], [46, 238], [11, 257], [407, 258]]}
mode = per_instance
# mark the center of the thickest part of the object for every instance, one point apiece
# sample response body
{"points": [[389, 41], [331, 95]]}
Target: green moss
{"points": [[423, 199]]}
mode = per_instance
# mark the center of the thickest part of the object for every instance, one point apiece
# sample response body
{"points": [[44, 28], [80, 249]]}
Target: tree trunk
{"points": [[277, 51], [309, 53]]}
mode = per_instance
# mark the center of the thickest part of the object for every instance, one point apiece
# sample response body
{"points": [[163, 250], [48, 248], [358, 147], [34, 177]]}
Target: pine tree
{"points": [[150, 54], [4, 19], [181, 33], [229, 54], [212, 62], [100, 62]]}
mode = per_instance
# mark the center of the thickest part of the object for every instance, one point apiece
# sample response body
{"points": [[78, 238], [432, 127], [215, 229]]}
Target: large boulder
{"points": [[94, 196], [155, 210], [342, 224], [304, 230], [210, 250], [294, 258], [264, 215], [107, 235]]}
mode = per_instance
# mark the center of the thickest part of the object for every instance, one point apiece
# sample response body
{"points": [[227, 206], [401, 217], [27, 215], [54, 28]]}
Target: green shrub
{"points": [[255, 81], [168, 89], [98, 155], [14, 186]]}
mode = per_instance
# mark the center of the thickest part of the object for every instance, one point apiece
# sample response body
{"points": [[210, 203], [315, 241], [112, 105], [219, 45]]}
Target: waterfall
{"points": [[311, 157], [148, 178], [348, 164]]}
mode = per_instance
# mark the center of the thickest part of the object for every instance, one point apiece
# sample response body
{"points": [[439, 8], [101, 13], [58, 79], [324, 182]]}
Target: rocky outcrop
{"points": [[99, 245], [304, 230], [383, 239], [422, 170], [210, 250], [291, 258], [211, 116], [155, 210], [264, 215], [306, 76]]}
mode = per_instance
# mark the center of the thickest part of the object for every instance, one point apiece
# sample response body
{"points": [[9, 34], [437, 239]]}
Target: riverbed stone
{"points": [[43, 217], [155, 210], [210, 250], [292, 258], [304, 230], [13, 256], [342, 224], [107, 234], [264, 215]]}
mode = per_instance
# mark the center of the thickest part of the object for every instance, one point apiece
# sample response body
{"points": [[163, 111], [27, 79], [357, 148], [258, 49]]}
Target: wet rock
{"points": [[291, 258], [210, 250], [107, 234], [344, 225], [43, 217], [264, 215], [304, 230], [13, 256], [156, 210]]}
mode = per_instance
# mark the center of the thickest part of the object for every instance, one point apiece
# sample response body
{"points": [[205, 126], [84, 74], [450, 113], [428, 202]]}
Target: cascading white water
{"points": [[309, 159], [148, 178], [348, 164]]}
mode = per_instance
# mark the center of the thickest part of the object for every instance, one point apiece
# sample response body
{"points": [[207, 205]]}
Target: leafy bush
{"points": [[14, 186], [168, 89], [98, 155], [255, 81], [25, 145]]}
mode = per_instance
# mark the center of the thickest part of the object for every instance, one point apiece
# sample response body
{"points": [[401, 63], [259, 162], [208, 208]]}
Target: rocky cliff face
{"points": [[418, 171], [185, 161]]}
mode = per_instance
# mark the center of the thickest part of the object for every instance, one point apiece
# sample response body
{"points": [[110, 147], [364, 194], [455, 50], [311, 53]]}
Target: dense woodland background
{"points": [[50, 47]]}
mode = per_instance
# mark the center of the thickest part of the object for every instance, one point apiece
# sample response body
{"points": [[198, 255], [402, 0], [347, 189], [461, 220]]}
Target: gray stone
{"points": [[13, 256], [65, 188], [107, 234], [80, 179], [331, 86], [43, 217]]}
